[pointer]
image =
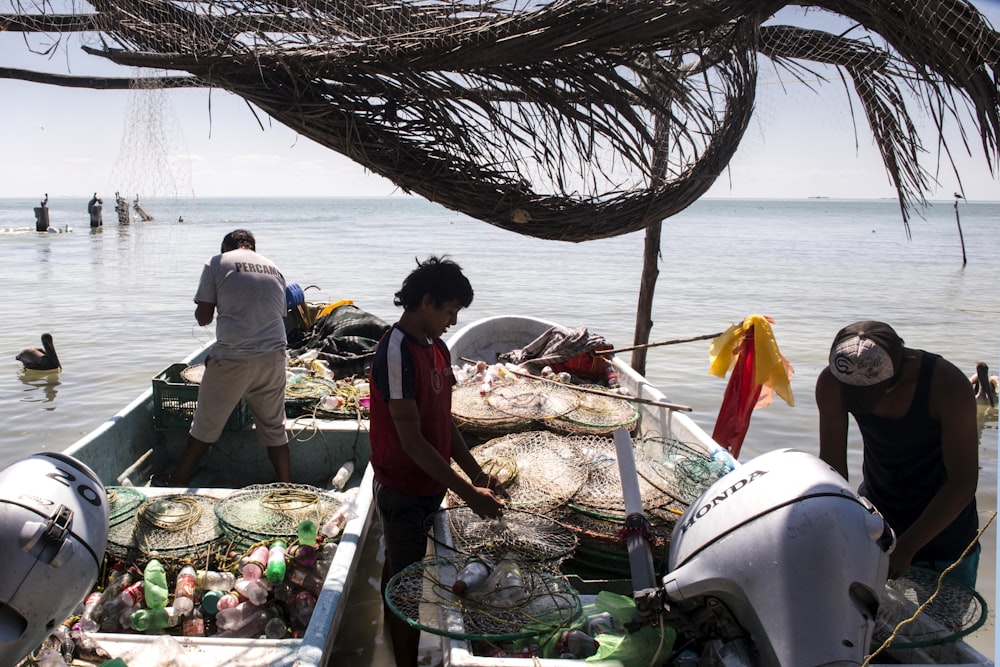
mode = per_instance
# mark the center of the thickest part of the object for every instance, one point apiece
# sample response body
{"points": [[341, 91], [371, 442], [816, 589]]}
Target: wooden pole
{"points": [[675, 341], [958, 222], [608, 394]]}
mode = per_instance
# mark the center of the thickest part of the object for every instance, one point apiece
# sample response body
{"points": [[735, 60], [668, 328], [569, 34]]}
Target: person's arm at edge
{"points": [[406, 419], [463, 457], [832, 423], [204, 313], [954, 405]]}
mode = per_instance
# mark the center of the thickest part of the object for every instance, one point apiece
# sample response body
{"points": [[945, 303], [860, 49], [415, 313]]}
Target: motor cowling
{"points": [[53, 534], [798, 558]]}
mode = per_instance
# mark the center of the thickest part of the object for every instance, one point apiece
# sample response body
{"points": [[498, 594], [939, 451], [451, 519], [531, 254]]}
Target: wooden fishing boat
{"points": [[484, 340], [126, 450]]}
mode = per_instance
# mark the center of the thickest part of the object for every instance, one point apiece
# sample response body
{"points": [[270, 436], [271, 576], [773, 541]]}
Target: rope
{"points": [[288, 499], [937, 590], [174, 521]]}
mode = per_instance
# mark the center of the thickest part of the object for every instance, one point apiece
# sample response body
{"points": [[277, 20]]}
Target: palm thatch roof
{"points": [[565, 119]]}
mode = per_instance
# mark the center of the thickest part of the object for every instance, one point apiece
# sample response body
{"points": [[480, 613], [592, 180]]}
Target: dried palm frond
{"points": [[569, 119]]}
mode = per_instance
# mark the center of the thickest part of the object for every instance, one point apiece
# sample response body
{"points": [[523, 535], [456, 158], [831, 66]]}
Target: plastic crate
{"points": [[175, 399]]}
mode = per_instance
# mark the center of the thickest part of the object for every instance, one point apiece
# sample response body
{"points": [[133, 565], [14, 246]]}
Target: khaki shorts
{"points": [[259, 379]]}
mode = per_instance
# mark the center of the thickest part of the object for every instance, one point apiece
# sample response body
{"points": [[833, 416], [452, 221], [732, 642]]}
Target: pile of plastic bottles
{"points": [[272, 593]]}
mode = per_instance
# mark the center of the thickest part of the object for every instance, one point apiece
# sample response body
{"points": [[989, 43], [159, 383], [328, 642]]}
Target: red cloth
{"points": [[586, 365], [739, 400]]}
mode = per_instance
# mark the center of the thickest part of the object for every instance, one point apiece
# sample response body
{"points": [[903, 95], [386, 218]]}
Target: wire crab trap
{"points": [[533, 400], [421, 595], [123, 501], [534, 539], [596, 414], [601, 548], [676, 468], [170, 528], [540, 470], [951, 613], [474, 414], [266, 512]]}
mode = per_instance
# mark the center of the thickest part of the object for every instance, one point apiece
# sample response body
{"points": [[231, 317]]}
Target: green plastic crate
{"points": [[175, 399]]}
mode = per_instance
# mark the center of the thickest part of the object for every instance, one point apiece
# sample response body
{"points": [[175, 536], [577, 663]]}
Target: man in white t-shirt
{"points": [[245, 293]]}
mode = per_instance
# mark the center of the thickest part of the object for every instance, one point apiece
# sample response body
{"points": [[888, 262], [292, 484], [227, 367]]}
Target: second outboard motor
{"points": [[797, 558], [53, 533]]}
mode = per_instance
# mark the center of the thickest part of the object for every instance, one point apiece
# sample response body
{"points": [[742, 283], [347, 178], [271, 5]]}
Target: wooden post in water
{"points": [[957, 222], [42, 215]]}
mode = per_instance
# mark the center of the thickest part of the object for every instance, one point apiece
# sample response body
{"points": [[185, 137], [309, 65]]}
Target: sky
{"points": [[73, 142]]}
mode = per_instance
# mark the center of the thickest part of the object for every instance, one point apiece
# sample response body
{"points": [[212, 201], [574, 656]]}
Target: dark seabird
{"points": [[984, 385], [40, 358]]}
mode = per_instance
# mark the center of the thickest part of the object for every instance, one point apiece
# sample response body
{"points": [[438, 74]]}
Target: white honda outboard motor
{"points": [[53, 533], [790, 554]]}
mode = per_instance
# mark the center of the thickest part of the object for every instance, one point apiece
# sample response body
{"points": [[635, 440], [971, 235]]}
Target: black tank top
{"points": [[903, 469]]}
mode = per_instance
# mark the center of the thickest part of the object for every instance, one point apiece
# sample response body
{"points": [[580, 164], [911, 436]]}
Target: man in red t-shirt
{"points": [[413, 436]]}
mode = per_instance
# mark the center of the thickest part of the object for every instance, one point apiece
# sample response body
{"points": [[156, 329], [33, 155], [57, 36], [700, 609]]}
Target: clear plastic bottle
{"points": [[612, 375], [275, 629], [184, 591], [254, 566], [227, 601], [155, 590], [506, 584], [576, 644], [307, 579], [340, 480], [134, 594], [111, 604], [210, 580], [88, 622], [254, 590], [231, 619], [252, 627], [471, 578], [275, 570], [300, 609]]}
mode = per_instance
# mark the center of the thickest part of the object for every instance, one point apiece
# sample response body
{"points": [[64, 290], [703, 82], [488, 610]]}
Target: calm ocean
{"points": [[118, 300]]}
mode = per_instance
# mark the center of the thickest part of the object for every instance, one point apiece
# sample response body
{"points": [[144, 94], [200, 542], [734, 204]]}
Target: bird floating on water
{"points": [[985, 385], [40, 358]]}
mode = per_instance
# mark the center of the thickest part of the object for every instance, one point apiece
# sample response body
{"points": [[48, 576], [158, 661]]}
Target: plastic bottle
{"points": [[275, 570], [612, 375], [253, 568], [227, 601], [156, 584], [111, 604], [284, 590], [300, 609], [194, 624], [230, 619], [252, 627], [210, 602], [254, 590], [339, 480], [210, 580], [576, 644], [336, 523], [306, 551], [506, 584], [184, 591], [471, 578], [154, 619], [134, 594], [307, 579], [87, 621], [275, 629]]}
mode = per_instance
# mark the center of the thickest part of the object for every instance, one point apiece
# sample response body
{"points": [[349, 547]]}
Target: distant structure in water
{"points": [[95, 208], [121, 208], [42, 215], [145, 217]]}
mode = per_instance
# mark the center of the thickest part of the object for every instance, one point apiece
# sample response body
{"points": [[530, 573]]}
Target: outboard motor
{"points": [[785, 550], [53, 533]]}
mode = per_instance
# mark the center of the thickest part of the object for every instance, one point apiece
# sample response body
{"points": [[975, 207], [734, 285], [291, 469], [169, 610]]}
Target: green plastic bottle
{"points": [[155, 586], [275, 571], [307, 533], [154, 619]]}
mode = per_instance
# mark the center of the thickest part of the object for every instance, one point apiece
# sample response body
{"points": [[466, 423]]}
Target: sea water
{"points": [[118, 302]]}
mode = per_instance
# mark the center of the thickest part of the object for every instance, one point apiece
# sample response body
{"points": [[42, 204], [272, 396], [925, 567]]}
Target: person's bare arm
{"points": [[406, 418], [954, 405], [204, 313], [463, 457], [832, 423]]}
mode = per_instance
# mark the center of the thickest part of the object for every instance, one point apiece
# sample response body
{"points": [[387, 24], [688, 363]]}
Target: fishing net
{"points": [[540, 470], [422, 595], [677, 469], [265, 512], [596, 414], [533, 538], [170, 527], [954, 612], [474, 414], [123, 501], [602, 495], [527, 399]]}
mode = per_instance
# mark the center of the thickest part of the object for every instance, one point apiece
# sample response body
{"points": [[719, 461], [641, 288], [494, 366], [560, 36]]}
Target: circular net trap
{"points": [[123, 502], [170, 527], [954, 612], [474, 414], [422, 596], [265, 512], [194, 374], [676, 469], [529, 399], [532, 538], [540, 470], [596, 414]]}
